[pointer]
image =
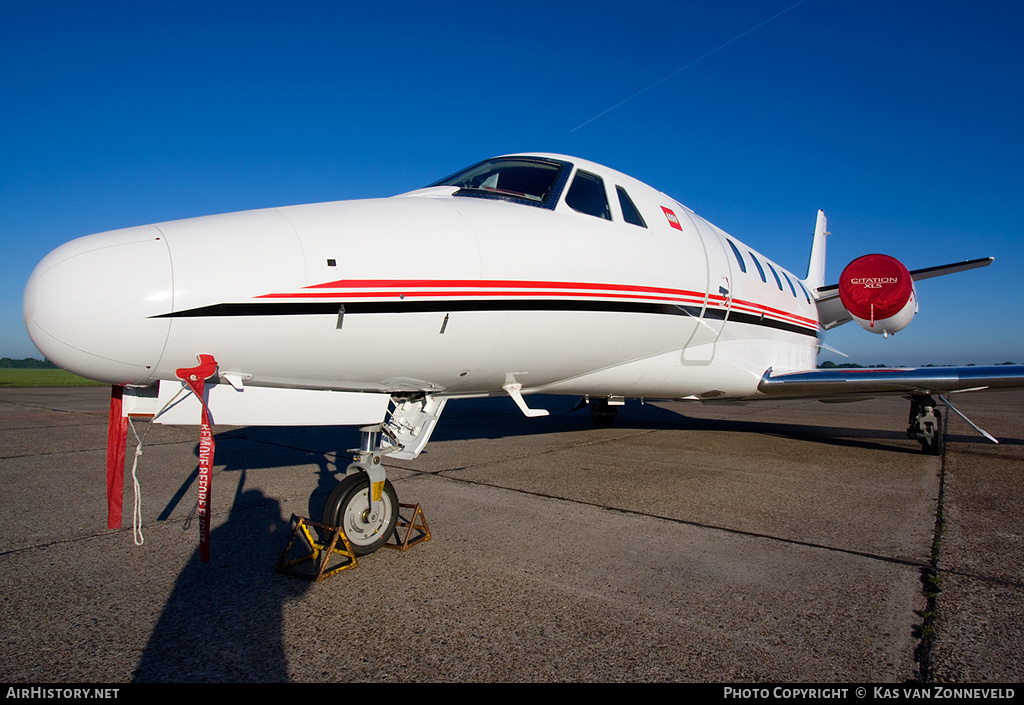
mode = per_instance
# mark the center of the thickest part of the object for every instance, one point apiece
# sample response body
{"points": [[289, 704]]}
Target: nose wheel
{"points": [[368, 525]]}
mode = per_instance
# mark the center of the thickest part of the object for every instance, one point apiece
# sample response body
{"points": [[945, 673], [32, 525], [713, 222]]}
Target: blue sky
{"points": [[901, 120]]}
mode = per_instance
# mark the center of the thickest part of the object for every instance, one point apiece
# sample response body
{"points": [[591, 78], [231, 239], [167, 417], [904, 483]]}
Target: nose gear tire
{"points": [[348, 507]]}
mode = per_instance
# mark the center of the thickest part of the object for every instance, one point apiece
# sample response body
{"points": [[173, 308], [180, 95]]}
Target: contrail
{"points": [[699, 58]]}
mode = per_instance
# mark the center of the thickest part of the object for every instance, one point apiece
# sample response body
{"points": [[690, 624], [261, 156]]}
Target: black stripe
{"points": [[314, 308], [320, 308], [756, 320]]}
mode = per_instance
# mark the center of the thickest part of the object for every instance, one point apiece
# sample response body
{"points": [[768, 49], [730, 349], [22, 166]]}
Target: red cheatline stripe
{"points": [[469, 293], [491, 283], [755, 307], [513, 288]]}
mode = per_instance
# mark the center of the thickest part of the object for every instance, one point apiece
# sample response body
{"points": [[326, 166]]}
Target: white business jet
{"points": [[521, 274]]}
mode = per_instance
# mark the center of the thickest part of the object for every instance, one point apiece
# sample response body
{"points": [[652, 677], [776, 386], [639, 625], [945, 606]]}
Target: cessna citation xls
{"points": [[521, 274]]}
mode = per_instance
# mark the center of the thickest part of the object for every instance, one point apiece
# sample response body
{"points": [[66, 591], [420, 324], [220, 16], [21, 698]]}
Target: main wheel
{"points": [[348, 506], [602, 413], [938, 440]]}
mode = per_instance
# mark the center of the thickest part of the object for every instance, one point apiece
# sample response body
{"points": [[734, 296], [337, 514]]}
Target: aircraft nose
{"points": [[89, 304]]}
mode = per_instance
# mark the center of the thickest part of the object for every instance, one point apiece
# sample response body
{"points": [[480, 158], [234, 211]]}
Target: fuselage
{"points": [[447, 290]]}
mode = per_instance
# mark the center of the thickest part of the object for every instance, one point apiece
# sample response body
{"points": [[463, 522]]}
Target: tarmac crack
{"points": [[51, 410], [449, 474], [930, 579], [549, 451], [61, 542], [98, 449]]}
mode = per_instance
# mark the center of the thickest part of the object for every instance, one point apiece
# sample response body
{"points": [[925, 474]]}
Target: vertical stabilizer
{"points": [[816, 267]]}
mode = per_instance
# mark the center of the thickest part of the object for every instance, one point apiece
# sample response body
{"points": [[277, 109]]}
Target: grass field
{"points": [[43, 378]]}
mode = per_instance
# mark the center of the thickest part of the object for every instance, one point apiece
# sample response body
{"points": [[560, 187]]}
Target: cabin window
{"points": [[586, 195], [788, 281], [739, 257], [804, 289], [774, 274], [629, 212], [760, 269], [529, 180]]}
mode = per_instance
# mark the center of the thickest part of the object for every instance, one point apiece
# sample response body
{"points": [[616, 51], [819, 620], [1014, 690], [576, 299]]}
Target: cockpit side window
{"points": [[528, 180], [586, 195], [629, 212]]}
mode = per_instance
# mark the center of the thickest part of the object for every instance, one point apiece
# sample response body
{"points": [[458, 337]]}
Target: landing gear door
{"points": [[700, 349]]}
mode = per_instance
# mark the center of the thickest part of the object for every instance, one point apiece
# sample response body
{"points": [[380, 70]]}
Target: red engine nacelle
{"points": [[879, 293]]}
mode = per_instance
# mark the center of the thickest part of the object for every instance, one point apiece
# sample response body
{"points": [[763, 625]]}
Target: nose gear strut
{"points": [[364, 504]]}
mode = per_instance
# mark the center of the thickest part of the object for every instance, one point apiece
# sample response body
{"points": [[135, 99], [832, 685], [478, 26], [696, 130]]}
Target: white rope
{"points": [[136, 487], [136, 490]]}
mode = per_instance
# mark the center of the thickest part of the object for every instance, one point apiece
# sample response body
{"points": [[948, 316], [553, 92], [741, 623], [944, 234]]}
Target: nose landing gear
{"points": [[364, 504]]}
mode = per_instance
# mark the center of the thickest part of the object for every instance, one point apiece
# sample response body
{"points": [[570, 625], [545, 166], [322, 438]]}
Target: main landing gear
{"points": [[603, 412], [925, 425]]}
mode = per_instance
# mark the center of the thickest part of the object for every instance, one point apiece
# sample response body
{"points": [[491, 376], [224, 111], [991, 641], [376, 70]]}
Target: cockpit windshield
{"points": [[530, 180]]}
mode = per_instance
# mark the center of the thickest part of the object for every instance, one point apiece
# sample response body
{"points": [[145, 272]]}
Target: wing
{"points": [[842, 384], [832, 313]]}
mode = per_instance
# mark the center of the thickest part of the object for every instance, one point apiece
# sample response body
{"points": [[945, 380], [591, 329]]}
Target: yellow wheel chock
{"points": [[320, 554], [314, 564], [410, 525]]}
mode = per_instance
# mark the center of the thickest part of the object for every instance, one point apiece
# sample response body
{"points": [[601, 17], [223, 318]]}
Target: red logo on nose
{"points": [[673, 220]]}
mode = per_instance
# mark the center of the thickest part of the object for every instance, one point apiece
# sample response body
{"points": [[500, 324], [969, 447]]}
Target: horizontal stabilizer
{"points": [[832, 313], [929, 272]]}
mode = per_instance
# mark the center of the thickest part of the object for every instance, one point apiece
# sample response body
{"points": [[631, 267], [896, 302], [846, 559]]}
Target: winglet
{"points": [[816, 267]]}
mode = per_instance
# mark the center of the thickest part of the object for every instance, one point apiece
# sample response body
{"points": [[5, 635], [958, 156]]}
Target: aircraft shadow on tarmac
{"points": [[498, 418], [223, 621], [328, 447], [480, 419]]}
